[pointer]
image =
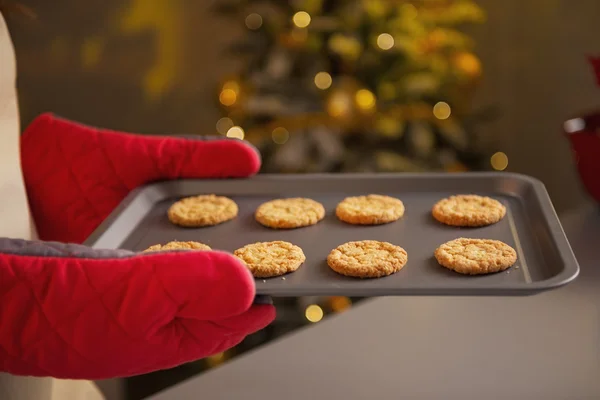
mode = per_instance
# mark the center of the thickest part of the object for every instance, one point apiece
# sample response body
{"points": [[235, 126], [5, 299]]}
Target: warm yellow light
{"points": [[313, 313], [301, 19], [235, 132], [499, 161], [280, 135], [299, 35], [469, 64], [227, 97], [385, 41], [442, 110], [365, 99], [339, 104], [323, 80], [232, 85], [215, 359], [340, 303], [410, 11], [223, 125], [254, 21]]}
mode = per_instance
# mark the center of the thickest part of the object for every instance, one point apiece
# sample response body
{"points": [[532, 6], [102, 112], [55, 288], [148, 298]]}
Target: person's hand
{"points": [[69, 311]]}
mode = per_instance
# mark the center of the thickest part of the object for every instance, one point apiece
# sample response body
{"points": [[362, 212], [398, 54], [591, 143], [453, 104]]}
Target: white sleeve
{"points": [[15, 218]]}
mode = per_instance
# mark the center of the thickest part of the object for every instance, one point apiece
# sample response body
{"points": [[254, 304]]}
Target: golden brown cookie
{"points": [[367, 259], [373, 209], [204, 210], [289, 213], [175, 245], [268, 259], [475, 256], [468, 210]]}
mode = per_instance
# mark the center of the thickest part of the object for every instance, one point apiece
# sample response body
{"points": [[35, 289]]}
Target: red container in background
{"points": [[584, 135]]}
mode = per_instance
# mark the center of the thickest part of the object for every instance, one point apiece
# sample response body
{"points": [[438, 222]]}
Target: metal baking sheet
{"points": [[531, 227]]}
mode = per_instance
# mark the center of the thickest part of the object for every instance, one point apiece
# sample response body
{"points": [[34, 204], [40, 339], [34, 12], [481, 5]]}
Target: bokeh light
{"points": [[409, 11], [228, 97], [323, 80], [280, 135], [224, 124], [232, 85], [499, 161], [365, 99], [385, 41], [442, 110], [301, 19], [339, 104], [215, 359], [469, 64], [313, 313], [340, 303], [254, 21], [236, 132]]}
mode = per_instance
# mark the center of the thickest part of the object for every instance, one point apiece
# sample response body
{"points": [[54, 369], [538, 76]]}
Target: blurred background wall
{"points": [[154, 67]]}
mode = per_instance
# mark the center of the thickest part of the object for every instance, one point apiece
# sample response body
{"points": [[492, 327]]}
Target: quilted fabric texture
{"points": [[75, 175], [69, 311], [112, 317]]}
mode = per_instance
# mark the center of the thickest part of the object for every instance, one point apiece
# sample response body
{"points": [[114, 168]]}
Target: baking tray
{"points": [[531, 227]]}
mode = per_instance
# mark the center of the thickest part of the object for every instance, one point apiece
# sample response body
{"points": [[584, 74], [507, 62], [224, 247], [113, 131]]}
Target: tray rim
{"points": [[569, 272]]}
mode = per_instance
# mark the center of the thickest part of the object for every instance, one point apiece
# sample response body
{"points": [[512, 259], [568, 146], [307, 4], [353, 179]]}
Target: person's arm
{"points": [[70, 311]]}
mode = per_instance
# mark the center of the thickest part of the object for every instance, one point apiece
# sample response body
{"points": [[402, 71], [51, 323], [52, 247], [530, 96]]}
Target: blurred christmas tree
{"points": [[355, 85]]}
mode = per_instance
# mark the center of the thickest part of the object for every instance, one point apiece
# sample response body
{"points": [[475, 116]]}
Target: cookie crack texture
{"points": [[289, 213], [475, 256], [468, 211], [367, 259], [203, 210], [372, 209], [269, 259]]}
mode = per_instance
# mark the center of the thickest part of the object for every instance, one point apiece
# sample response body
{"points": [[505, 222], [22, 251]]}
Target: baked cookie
{"points": [[367, 259], [175, 245], [373, 209], [468, 210], [204, 210], [268, 259], [475, 256], [289, 213]]}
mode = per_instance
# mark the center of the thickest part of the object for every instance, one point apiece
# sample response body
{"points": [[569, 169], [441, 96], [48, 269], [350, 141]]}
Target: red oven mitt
{"points": [[69, 311]]}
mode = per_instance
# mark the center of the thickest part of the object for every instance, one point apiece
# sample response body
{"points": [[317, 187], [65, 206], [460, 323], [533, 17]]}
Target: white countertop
{"points": [[540, 347]]}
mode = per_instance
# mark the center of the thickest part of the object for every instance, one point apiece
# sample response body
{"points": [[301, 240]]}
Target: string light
{"points": [[254, 21], [299, 35], [280, 135], [499, 161], [365, 99], [301, 19], [385, 41], [232, 85], [215, 359], [236, 132], [340, 303], [323, 80], [469, 64], [339, 104], [442, 110], [313, 313], [228, 97], [410, 11], [223, 125]]}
